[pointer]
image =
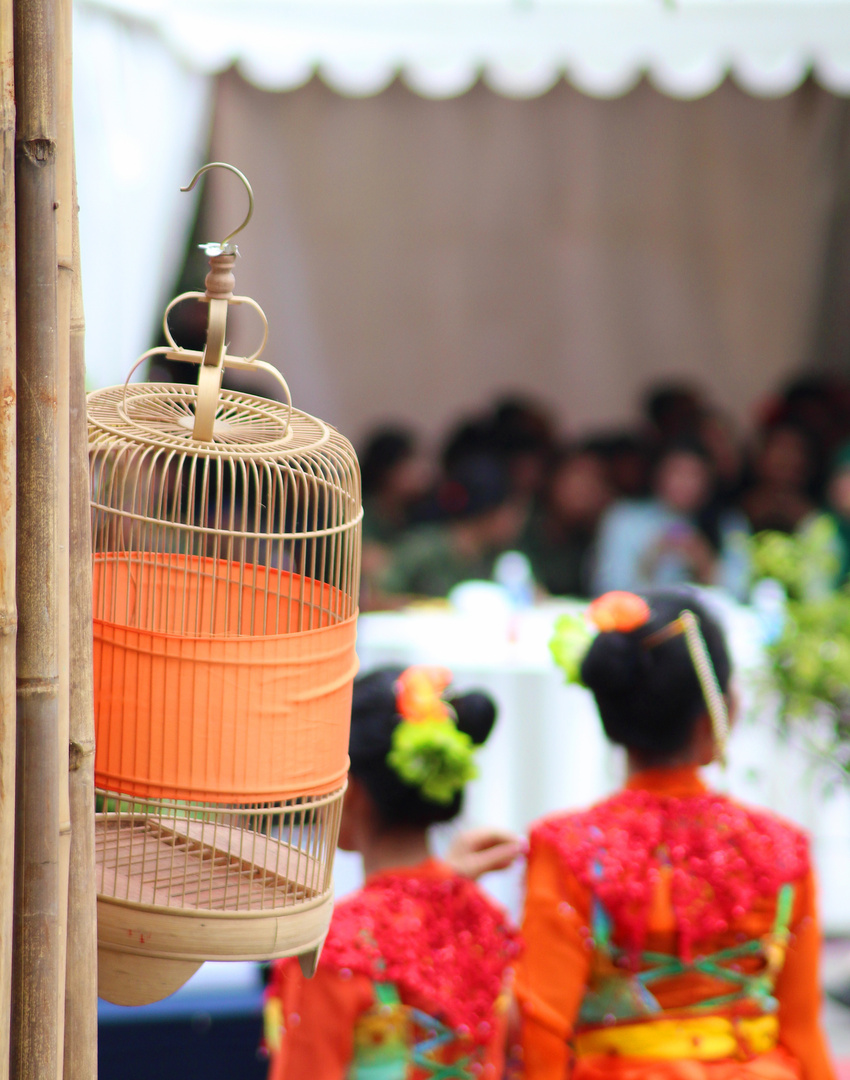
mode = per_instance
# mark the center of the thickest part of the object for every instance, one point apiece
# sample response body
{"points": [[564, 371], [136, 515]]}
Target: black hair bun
{"points": [[476, 715], [650, 698], [373, 721], [614, 663]]}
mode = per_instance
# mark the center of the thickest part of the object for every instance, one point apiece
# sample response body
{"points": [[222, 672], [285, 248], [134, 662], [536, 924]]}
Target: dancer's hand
{"points": [[474, 852]]}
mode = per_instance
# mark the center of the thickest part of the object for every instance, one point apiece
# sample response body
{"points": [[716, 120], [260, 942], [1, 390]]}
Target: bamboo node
{"points": [[8, 621], [79, 753], [40, 152], [29, 688]]}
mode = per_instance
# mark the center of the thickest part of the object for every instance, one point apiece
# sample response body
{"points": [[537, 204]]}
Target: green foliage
{"points": [[433, 756], [810, 661], [805, 563], [569, 643]]}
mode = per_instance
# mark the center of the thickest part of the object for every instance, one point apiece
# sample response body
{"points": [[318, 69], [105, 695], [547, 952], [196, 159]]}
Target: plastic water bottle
{"points": [[768, 599], [512, 571]]}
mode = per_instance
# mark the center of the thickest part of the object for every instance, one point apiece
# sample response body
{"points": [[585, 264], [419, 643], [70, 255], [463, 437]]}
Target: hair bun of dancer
{"points": [[649, 698], [411, 747]]}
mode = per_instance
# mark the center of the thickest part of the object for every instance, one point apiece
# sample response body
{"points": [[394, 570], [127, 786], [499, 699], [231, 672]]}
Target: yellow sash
{"points": [[703, 1038]]}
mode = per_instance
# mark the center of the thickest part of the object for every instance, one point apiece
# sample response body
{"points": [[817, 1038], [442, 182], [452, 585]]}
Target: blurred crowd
{"points": [[671, 500]]}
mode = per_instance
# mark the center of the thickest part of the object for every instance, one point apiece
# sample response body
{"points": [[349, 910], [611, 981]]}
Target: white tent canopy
{"points": [[519, 47]]}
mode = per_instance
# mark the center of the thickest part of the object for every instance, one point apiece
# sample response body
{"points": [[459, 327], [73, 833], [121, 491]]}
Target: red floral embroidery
{"points": [[441, 942], [722, 857]]}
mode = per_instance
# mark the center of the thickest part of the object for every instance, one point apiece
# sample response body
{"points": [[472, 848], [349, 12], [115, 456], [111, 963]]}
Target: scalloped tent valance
{"points": [[520, 48]]}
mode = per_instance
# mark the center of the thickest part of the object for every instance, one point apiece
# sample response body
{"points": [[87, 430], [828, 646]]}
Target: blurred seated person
{"points": [[394, 478], [559, 538], [628, 459], [718, 434], [673, 411], [814, 403], [483, 519], [522, 434], [516, 431], [785, 466], [675, 537]]}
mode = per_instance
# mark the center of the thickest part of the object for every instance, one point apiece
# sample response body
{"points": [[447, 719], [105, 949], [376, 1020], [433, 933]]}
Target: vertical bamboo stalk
{"points": [[8, 616], [35, 979], [64, 256], [81, 977]]}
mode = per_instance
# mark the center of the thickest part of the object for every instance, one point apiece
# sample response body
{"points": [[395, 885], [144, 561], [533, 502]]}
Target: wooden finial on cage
{"points": [[220, 281]]}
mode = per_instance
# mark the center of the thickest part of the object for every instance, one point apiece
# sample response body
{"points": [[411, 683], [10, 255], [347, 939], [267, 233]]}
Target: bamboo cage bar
{"points": [[35, 978], [8, 615], [80, 1051]]}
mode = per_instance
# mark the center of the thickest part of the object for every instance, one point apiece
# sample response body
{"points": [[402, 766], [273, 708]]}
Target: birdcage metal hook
{"points": [[225, 247]]}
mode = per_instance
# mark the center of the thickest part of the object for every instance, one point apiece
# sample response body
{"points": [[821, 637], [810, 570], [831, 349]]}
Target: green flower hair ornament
{"points": [[569, 643], [433, 756]]}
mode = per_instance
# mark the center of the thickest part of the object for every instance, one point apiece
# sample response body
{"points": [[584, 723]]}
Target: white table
{"points": [[548, 751]]}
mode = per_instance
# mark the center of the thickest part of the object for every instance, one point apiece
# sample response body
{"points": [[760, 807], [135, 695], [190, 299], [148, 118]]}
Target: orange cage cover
{"points": [[254, 709]]}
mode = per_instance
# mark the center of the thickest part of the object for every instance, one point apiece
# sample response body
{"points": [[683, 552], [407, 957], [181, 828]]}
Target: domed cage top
{"points": [[225, 584]]}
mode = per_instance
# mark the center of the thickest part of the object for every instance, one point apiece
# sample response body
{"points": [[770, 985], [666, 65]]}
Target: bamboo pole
{"points": [[35, 979], [81, 978], [64, 256], [78, 1057], [8, 616]]}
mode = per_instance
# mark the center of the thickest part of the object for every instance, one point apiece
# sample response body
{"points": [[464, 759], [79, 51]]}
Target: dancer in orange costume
{"points": [[413, 980], [670, 933]]}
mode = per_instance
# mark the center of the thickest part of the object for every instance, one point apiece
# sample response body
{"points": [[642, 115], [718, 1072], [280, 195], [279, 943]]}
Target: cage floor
{"points": [[180, 863]]}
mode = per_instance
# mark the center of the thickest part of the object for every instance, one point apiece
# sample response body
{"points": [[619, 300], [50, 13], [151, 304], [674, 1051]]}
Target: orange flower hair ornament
{"points": [[428, 751], [619, 611], [419, 693]]}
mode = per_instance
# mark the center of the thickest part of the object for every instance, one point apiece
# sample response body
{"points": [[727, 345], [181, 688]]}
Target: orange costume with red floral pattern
{"points": [[413, 982], [670, 933]]}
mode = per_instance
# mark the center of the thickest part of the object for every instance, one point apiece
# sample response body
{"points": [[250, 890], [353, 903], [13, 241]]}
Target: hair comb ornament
{"points": [[711, 691], [688, 624], [428, 751]]}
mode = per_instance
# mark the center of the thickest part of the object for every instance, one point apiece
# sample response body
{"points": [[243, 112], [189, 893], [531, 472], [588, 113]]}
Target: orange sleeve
{"points": [[798, 989], [319, 1015], [553, 968]]}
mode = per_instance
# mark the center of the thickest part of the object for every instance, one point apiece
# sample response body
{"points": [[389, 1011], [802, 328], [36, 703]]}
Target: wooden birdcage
{"points": [[226, 556]]}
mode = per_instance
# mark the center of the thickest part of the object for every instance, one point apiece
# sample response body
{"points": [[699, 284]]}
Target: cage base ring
{"points": [[145, 954]]}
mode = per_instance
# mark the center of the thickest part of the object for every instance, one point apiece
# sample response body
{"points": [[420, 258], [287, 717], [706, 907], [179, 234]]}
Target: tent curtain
{"points": [[831, 344], [141, 130], [416, 257]]}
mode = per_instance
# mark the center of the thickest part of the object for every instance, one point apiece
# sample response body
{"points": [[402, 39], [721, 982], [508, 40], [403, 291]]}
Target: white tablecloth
{"points": [[548, 751]]}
